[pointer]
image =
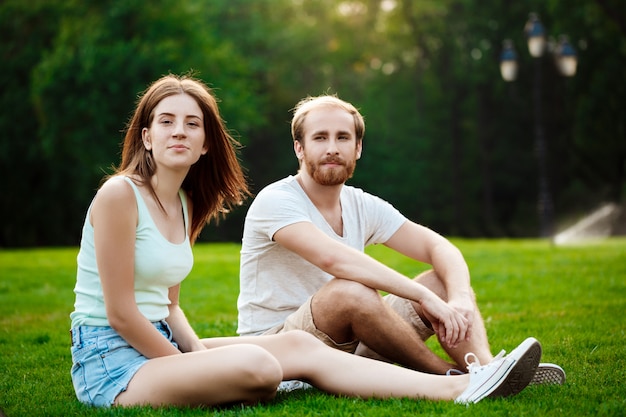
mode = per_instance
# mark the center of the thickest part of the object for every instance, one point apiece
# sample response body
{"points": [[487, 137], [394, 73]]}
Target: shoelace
{"points": [[476, 363], [500, 355], [453, 371], [473, 364]]}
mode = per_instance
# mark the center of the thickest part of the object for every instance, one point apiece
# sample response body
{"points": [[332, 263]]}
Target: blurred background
{"points": [[449, 141]]}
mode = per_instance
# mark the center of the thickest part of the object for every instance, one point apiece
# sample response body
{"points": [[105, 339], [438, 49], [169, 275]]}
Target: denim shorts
{"points": [[103, 363]]}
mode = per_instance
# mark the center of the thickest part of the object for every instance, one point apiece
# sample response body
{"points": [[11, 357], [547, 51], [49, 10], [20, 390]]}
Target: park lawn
{"points": [[571, 298]]}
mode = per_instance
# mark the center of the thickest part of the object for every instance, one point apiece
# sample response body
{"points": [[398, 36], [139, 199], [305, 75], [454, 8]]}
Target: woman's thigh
{"points": [[237, 373], [104, 363], [297, 351]]}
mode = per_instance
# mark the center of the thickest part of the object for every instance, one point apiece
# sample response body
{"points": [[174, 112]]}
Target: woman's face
{"points": [[176, 136]]}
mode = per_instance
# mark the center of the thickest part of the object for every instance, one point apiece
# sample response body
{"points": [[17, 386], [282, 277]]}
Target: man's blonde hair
{"points": [[305, 105]]}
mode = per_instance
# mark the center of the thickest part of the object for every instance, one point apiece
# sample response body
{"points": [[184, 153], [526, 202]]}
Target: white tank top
{"points": [[159, 265]]}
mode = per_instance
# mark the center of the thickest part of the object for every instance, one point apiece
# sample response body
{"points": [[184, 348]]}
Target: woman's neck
{"points": [[166, 188]]}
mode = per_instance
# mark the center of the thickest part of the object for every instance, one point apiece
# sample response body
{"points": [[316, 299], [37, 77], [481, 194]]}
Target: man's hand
{"points": [[465, 306], [451, 325]]}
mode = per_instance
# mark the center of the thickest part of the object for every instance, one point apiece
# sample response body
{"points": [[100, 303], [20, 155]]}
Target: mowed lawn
{"points": [[572, 298]]}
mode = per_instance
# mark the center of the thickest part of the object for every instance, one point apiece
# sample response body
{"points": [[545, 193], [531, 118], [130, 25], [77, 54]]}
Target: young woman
{"points": [[131, 342]]}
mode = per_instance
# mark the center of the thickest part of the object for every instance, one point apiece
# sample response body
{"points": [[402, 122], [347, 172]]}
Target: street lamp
{"points": [[566, 58], [566, 62], [508, 61], [535, 35]]}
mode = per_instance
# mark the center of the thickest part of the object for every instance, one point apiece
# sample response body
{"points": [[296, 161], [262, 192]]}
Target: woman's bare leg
{"points": [[238, 373], [302, 356]]}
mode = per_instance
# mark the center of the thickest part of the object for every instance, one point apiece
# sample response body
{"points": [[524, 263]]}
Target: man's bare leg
{"points": [[346, 310], [478, 343]]}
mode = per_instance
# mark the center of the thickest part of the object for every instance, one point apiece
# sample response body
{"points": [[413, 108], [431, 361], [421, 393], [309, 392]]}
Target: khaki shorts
{"points": [[302, 319]]}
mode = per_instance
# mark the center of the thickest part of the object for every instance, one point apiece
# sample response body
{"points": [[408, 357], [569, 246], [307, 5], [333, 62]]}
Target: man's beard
{"points": [[331, 176]]}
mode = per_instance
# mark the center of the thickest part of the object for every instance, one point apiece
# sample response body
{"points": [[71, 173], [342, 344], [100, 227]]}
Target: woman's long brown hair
{"points": [[216, 183]]}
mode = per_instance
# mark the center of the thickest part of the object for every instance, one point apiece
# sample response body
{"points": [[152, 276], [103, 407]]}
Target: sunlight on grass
{"points": [[571, 298]]}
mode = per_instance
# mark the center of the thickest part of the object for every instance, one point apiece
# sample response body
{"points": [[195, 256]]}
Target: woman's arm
{"points": [[184, 335], [114, 219]]}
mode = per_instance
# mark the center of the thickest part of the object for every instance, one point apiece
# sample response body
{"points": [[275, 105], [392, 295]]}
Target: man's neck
{"points": [[324, 197]]}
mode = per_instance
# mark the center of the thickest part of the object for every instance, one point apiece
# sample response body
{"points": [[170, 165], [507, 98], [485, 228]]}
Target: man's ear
{"points": [[298, 150], [359, 149]]}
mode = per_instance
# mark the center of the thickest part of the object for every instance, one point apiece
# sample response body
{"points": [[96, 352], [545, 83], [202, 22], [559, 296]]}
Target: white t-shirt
{"points": [[275, 282]]}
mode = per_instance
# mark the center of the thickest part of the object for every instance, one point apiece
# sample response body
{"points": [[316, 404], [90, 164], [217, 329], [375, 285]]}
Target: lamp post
{"points": [[566, 62]]}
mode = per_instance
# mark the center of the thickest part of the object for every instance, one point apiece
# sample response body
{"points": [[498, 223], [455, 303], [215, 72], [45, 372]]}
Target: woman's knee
{"points": [[301, 341], [258, 370]]}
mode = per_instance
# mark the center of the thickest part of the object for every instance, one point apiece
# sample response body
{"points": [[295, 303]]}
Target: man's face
{"points": [[330, 148]]}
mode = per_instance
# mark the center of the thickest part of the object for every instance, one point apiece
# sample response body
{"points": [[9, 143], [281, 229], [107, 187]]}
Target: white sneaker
{"points": [[288, 386], [504, 376], [548, 373]]}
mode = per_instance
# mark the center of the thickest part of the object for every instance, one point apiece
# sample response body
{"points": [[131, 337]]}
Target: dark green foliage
{"points": [[447, 141]]}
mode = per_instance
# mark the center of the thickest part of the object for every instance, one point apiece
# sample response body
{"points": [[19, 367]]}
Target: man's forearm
{"points": [[451, 268]]}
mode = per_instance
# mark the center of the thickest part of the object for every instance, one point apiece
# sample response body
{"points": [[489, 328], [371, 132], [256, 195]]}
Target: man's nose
{"points": [[332, 146]]}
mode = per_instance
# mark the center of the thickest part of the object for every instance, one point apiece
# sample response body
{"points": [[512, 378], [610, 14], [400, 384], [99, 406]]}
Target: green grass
{"points": [[572, 299]]}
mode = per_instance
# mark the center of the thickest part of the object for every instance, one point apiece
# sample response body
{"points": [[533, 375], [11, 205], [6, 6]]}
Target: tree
{"points": [[447, 141], [84, 85]]}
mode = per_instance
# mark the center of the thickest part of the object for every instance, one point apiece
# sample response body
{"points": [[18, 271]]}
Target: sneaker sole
{"points": [[521, 373], [548, 373]]}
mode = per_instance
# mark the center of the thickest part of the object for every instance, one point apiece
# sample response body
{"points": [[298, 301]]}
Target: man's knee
{"points": [[337, 306], [346, 294], [433, 282]]}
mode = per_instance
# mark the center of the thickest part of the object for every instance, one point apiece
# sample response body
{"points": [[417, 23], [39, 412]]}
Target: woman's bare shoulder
{"points": [[115, 190]]}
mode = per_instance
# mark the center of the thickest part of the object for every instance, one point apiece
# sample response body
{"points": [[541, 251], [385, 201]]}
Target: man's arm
{"points": [[342, 261], [425, 245]]}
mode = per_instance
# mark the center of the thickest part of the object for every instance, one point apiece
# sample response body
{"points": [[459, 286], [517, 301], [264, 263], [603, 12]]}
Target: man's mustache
{"points": [[333, 160]]}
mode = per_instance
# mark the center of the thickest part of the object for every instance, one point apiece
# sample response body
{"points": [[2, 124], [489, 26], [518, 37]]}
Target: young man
{"points": [[303, 264]]}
